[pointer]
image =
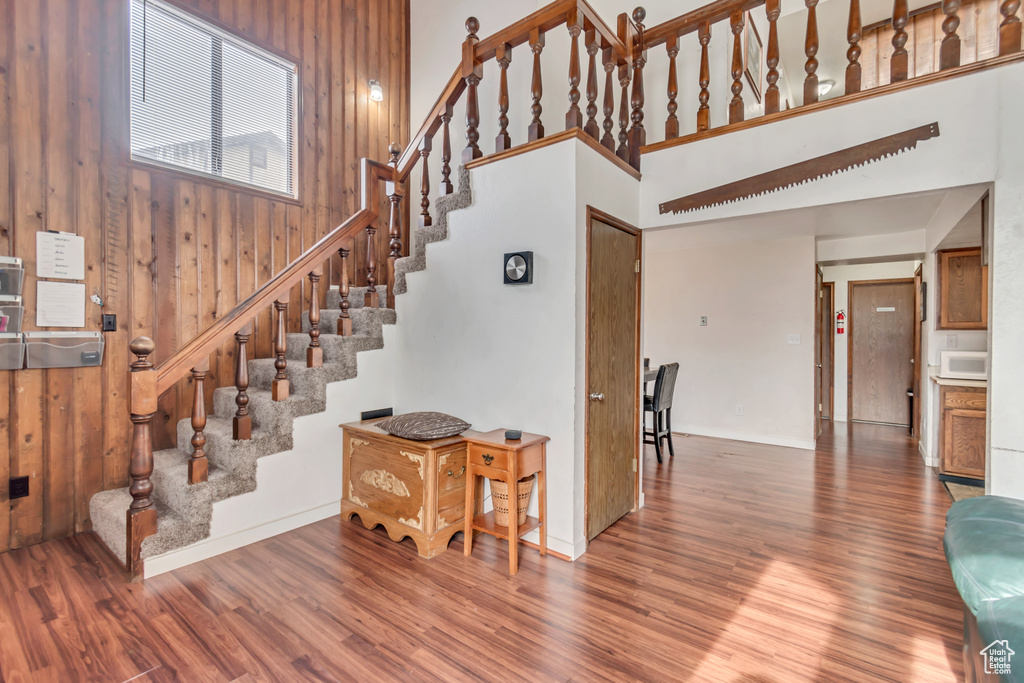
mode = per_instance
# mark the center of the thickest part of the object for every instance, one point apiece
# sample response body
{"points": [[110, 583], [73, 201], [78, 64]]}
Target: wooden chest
{"points": [[412, 488]]}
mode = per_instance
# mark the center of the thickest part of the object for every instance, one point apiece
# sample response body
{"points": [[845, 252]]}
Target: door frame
{"points": [[592, 215], [849, 331], [819, 288], [830, 304]]}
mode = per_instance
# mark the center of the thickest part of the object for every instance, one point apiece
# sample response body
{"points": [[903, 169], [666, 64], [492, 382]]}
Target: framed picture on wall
{"points": [[752, 60]]}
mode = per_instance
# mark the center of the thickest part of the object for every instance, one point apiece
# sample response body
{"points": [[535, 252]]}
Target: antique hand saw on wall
{"points": [[805, 171]]}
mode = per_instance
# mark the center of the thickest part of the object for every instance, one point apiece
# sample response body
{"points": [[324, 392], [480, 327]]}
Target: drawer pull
{"points": [[488, 459], [456, 476]]}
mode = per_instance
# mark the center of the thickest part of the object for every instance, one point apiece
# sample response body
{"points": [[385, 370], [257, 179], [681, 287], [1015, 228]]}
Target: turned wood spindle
{"points": [[344, 320], [279, 388], [314, 353], [623, 150], [637, 134], [899, 64], [395, 193], [949, 51], [736, 104], [242, 422], [536, 129], [503, 55], [593, 43], [811, 49], [141, 514], [853, 36], [672, 122], [1009, 29], [574, 117], [472, 72], [446, 151], [704, 110], [425, 147], [372, 298], [608, 58], [198, 465], [771, 93]]}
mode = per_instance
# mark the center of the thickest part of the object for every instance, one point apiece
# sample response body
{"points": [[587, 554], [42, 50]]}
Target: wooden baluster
{"points": [[344, 320], [704, 110], [949, 52], [736, 104], [279, 388], [608, 58], [141, 515], [899, 64], [771, 94], [314, 354], [811, 49], [446, 152], [425, 147], [593, 42], [623, 151], [536, 129], [197, 463], [395, 192], [672, 123], [853, 36], [504, 57], [637, 134], [1009, 29], [372, 297], [472, 71], [242, 423], [574, 117]]}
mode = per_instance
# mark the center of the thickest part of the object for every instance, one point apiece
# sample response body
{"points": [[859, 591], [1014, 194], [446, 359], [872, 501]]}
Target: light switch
{"points": [[794, 339], [703, 321]]}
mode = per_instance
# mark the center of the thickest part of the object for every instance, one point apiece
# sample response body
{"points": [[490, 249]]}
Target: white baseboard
{"points": [[750, 438], [211, 547], [928, 460]]}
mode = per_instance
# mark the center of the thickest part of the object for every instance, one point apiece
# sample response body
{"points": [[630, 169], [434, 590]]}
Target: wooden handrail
{"points": [[691, 21]]}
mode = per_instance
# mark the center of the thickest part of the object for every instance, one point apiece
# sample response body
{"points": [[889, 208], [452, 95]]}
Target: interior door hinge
{"points": [[634, 464], [820, 407], [638, 265], [821, 293]]}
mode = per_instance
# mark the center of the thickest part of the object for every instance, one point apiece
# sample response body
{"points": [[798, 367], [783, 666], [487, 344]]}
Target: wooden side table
{"points": [[493, 456]]}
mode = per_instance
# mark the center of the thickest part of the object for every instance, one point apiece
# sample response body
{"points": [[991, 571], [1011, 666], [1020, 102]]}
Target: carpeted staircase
{"points": [[185, 511]]}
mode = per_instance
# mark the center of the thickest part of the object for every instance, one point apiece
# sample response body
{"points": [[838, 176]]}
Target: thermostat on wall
{"points": [[519, 268]]}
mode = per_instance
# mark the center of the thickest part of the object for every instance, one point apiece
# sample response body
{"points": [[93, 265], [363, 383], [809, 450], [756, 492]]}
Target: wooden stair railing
{"points": [[149, 382], [732, 14]]}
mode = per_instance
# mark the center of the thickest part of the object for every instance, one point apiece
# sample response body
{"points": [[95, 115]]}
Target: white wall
{"points": [[755, 295], [841, 276], [512, 356]]}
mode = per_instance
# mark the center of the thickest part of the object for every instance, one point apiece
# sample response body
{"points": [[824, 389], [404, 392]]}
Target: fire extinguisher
{"points": [[841, 322]]}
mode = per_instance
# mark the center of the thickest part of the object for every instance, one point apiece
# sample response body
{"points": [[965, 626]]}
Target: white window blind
{"points": [[205, 101]]}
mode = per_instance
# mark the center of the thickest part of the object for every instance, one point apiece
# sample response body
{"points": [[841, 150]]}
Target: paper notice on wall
{"points": [[60, 304], [885, 309], [60, 255]]}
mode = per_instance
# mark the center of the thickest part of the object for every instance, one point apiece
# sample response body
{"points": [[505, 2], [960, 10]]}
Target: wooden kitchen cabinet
{"points": [[963, 290], [962, 430]]}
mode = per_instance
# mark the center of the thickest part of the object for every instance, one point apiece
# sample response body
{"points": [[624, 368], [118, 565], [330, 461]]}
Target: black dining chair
{"points": [[660, 404]]}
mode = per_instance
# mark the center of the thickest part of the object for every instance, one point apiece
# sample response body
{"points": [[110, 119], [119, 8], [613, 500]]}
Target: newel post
{"points": [[395, 193], [141, 515], [472, 71], [637, 134]]}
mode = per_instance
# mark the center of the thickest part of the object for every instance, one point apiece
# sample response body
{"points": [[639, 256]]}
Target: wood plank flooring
{"points": [[749, 563]]}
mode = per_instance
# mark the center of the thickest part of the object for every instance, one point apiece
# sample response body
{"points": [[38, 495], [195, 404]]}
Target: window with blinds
{"points": [[207, 102]]}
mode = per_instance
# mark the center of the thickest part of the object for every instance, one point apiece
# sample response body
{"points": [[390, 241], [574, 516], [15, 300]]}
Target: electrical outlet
{"points": [[17, 488], [703, 321], [794, 339], [109, 322], [739, 409]]}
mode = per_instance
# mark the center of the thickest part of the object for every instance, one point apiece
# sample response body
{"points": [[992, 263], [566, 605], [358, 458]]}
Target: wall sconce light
{"points": [[824, 87], [376, 92]]}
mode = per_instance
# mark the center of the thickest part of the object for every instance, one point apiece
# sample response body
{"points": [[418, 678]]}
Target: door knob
{"points": [[596, 397]]}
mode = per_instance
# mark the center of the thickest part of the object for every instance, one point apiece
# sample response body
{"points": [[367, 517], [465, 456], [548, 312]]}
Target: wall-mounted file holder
{"points": [[11, 312], [12, 351], [12, 275], [63, 349]]}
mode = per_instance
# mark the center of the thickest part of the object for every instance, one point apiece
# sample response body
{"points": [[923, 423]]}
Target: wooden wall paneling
{"points": [[925, 45], [348, 136], [28, 160], [209, 243], [6, 233], [260, 342], [338, 196], [323, 113], [968, 34], [165, 300], [226, 278], [308, 156], [244, 20], [294, 47], [362, 125]]}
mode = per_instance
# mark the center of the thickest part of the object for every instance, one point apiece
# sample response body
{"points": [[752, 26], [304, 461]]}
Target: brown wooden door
{"points": [[881, 349], [818, 332], [613, 385], [825, 345]]}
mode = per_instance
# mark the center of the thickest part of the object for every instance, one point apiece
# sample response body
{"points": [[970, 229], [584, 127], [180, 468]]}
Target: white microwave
{"points": [[963, 364]]}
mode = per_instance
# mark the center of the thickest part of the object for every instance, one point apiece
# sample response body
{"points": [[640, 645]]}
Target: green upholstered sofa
{"points": [[984, 545]]}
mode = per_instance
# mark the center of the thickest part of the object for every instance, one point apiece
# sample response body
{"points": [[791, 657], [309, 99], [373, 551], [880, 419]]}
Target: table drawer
{"points": [[488, 457]]}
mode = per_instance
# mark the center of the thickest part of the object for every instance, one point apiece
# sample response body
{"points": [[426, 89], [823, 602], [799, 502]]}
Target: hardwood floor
{"points": [[749, 563]]}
